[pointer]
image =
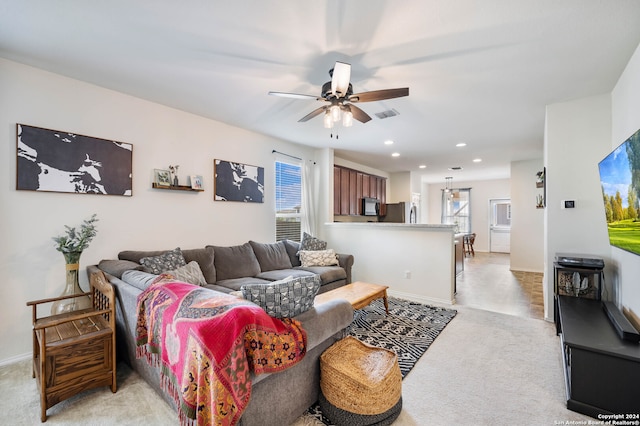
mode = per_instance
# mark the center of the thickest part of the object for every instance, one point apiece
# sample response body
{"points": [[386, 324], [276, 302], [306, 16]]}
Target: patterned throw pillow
{"points": [[318, 258], [190, 273], [312, 243], [167, 261], [285, 298]]}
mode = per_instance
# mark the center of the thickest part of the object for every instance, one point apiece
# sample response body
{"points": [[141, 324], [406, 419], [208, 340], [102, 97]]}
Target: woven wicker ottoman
{"points": [[361, 385]]}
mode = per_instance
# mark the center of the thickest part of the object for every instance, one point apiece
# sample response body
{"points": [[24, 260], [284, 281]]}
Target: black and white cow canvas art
{"points": [[238, 182], [55, 161]]}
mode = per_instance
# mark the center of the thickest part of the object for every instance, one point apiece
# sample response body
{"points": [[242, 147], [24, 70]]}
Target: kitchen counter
{"points": [[416, 261]]}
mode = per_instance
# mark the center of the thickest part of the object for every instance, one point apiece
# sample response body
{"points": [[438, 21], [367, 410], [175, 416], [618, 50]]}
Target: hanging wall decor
{"points": [[238, 182], [56, 161]]}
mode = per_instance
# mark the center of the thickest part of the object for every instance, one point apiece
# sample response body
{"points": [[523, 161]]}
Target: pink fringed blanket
{"points": [[207, 344]]}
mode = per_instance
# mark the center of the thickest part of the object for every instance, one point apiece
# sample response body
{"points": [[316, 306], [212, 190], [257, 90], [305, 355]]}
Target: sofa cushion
{"points": [[235, 284], [312, 243], [166, 261], [235, 262], [271, 256], [117, 267], [293, 247], [190, 273], [318, 258], [286, 298], [280, 274], [139, 279], [204, 257], [328, 274]]}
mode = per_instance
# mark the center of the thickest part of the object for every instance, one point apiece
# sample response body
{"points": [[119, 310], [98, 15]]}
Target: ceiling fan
{"points": [[339, 98]]}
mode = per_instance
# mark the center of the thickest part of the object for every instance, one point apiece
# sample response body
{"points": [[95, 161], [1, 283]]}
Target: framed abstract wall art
{"points": [[57, 161], [238, 182]]}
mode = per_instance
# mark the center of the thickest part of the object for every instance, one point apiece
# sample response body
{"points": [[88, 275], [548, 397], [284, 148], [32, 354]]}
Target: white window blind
{"points": [[456, 209], [288, 200]]}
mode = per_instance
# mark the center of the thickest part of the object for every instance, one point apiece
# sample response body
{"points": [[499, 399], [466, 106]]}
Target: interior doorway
{"points": [[500, 225]]}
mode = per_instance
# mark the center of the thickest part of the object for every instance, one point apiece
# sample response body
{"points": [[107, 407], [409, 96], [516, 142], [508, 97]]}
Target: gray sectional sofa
{"points": [[277, 398]]}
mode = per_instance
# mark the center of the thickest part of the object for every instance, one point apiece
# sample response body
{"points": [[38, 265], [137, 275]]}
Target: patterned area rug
{"points": [[408, 330]]}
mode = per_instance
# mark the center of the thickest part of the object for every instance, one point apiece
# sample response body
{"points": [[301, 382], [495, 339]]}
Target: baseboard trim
{"points": [[15, 359], [418, 298]]}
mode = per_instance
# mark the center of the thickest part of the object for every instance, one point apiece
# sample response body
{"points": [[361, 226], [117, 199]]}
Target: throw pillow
{"points": [[271, 256], [293, 247], [139, 279], [286, 298], [167, 261], [312, 243], [318, 258], [190, 273]]}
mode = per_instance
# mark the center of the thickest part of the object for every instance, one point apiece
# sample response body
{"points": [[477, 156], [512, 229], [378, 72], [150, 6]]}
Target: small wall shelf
{"points": [[176, 188]]}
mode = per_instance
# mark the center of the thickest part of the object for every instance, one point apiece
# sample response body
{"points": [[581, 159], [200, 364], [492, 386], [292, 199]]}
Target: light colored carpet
{"points": [[485, 368]]}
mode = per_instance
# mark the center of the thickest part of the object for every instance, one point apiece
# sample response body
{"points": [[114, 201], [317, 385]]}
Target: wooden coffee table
{"points": [[359, 294]]}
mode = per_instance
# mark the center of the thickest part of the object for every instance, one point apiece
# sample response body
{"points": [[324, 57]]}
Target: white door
{"points": [[500, 225]]}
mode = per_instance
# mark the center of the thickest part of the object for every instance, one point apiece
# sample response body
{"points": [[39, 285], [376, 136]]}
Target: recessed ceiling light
{"points": [[477, 160], [422, 166], [388, 142], [461, 144], [395, 154]]}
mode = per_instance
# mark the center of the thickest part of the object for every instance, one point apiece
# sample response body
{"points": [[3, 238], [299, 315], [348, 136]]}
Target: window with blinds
{"points": [[288, 200], [456, 208]]}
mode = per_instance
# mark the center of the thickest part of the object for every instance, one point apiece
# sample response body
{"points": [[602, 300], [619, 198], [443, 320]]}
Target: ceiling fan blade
{"points": [[379, 95], [359, 114], [340, 79], [312, 114], [295, 96]]}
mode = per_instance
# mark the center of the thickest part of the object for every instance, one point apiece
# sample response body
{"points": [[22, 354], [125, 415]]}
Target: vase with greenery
{"points": [[71, 245]]}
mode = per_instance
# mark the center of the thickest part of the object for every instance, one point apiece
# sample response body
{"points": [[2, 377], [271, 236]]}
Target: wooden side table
{"points": [[75, 351]]}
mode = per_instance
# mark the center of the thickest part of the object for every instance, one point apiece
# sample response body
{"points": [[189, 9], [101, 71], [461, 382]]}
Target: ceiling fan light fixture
{"points": [[335, 112], [347, 118], [328, 120]]}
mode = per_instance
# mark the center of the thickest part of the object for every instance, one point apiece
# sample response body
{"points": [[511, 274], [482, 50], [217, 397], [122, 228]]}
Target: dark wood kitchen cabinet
{"points": [[350, 186]]}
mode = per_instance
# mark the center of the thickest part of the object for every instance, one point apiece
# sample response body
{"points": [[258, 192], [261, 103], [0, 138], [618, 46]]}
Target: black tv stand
{"points": [[602, 371]]}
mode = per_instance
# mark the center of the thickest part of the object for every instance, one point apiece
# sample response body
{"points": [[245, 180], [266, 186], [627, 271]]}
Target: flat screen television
{"points": [[620, 183]]}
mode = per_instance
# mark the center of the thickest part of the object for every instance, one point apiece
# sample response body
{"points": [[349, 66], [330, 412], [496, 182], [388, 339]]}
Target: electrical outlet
{"points": [[407, 274]]}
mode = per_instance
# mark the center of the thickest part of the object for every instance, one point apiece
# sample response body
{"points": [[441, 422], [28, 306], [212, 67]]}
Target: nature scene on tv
{"points": [[620, 181]]}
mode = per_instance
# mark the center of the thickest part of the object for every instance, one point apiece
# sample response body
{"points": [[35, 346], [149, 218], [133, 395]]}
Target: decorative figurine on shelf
{"points": [[174, 172], [71, 246], [539, 201]]}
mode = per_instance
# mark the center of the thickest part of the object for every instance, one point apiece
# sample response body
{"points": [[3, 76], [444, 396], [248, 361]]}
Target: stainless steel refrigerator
{"points": [[402, 212]]}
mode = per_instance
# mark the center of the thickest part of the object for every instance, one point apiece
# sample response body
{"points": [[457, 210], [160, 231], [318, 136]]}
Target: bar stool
{"points": [[467, 242]]}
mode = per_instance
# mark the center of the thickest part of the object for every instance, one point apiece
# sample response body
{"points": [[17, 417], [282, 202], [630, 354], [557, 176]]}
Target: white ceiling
{"points": [[479, 72]]}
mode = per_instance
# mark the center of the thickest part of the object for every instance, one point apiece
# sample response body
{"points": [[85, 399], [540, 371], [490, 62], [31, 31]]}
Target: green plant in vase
{"points": [[71, 245]]}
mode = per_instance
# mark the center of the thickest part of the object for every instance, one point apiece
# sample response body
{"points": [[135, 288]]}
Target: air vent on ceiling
{"points": [[455, 168], [386, 114]]}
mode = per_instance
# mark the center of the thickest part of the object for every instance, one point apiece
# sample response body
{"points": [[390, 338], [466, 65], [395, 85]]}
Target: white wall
{"points": [[399, 187], [527, 221], [481, 193], [151, 219], [625, 105], [577, 137], [386, 251]]}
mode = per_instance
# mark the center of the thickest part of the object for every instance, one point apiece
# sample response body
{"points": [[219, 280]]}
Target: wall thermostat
{"points": [[568, 204]]}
